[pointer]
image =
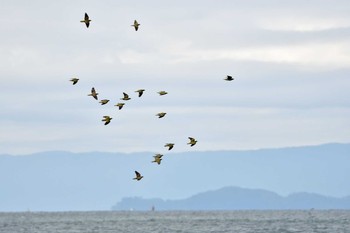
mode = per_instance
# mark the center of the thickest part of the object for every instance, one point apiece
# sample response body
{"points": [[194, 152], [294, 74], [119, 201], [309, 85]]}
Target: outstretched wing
{"points": [[125, 95], [86, 17], [137, 174]]}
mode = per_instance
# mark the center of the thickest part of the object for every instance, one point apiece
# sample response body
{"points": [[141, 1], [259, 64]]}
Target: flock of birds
{"points": [[157, 158]]}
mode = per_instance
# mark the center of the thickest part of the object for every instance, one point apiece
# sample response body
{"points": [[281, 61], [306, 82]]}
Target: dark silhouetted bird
{"points": [[86, 20], [104, 101], [126, 96], [192, 141], [161, 114], [119, 105], [136, 25], [140, 91], [169, 145], [138, 176], [93, 93], [107, 119], [74, 80], [228, 78]]}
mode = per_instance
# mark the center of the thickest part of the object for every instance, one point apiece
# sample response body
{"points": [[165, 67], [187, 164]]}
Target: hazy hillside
{"points": [[234, 198], [96, 181]]}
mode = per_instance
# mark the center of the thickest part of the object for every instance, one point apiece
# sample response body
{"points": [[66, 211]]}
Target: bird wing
{"points": [[86, 17], [125, 95], [93, 91], [137, 174]]}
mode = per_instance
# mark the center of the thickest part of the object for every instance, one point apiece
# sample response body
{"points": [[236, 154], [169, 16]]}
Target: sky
{"points": [[290, 61]]}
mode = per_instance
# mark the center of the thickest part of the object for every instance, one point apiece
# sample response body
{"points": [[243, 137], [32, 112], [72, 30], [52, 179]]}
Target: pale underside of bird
{"points": [[228, 78], [162, 92], [120, 105], [157, 160], [136, 25], [74, 80], [138, 176], [161, 114], [169, 145], [140, 91], [93, 93], [192, 141], [107, 119], [86, 20], [126, 97], [104, 101]]}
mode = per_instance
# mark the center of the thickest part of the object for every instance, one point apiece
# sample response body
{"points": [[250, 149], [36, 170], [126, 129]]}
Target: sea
{"points": [[265, 221]]}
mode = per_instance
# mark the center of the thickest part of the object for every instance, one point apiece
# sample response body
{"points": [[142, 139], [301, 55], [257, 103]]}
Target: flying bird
{"points": [[169, 145], [74, 80], [126, 96], [93, 93], [228, 78], [136, 25], [140, 91], [119, 105], [161, 114], [162, 92], [138, 176], [104, 101], [86, 20], [107, 119], [192, 141], [158, 156], [157, 160]]}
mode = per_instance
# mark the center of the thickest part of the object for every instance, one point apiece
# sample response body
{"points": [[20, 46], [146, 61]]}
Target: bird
{"points": [[119, 105], [74, 80], [162, 92], [161, 114], [86, 20], [138, 176], [140, 91], [157, 160], [93, 93], [228, 78], [136, 25], [192, 141], [158, 156], [107, 119], [126, 96], [169, 145], [104, 101]]}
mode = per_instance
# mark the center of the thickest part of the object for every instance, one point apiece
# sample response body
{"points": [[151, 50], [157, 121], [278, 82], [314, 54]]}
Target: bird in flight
{"points": [[104, 101], [169, 145], [158, 156], [74, 80], [228, 78], [107, 119], [140, 91], [161, 114], [138, 176], [192, 141], [93, 93], [126, 96], [162, 92], [86, 20], [157, 159], [136, 25], [119, 105]]}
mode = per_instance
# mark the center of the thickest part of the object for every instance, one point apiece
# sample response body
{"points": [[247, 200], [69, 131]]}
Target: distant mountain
{"points": [[60, 181], [234, 198]]}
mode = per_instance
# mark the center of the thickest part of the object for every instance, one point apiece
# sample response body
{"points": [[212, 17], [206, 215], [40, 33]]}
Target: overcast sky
{"points": [[290, 61]]}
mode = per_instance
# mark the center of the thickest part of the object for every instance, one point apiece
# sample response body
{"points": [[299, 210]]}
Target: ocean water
{"points": [[327, 221]]}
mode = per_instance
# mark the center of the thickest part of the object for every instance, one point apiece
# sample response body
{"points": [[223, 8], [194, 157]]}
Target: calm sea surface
{"points": [[330, 221]]}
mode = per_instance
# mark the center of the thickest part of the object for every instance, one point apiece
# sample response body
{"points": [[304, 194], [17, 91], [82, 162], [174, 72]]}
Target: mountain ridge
{"points": [[61, 181], [236, 198]]}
